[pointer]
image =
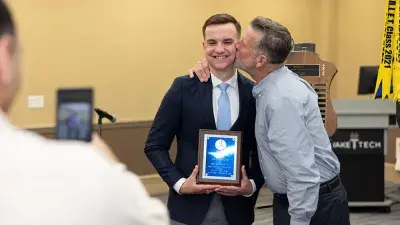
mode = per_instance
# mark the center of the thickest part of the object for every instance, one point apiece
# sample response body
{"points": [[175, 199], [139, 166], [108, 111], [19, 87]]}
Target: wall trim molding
{"points": [[151, 180], [154, 184], [127, 141], [391, 174], [106, 126]]}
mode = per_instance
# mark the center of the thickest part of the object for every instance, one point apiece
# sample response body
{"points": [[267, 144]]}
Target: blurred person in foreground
{"points": [[48, 182]]}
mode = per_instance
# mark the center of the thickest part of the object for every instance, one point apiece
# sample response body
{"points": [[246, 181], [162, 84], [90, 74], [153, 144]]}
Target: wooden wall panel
{"points": [[127, 141]]}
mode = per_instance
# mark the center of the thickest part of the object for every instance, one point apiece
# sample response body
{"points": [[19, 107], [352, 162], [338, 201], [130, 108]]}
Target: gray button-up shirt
{"points": [[294, 149]]}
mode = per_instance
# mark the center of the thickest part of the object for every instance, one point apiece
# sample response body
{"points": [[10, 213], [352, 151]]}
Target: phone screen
{"points": [[74, 114]]}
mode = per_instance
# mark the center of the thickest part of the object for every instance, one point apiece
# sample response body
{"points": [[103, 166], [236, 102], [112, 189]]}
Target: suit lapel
{"points": [[244, 95], [206, 101]]}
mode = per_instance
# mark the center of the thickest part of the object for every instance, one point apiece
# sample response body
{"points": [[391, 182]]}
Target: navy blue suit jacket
{"points": [[186, 108]]}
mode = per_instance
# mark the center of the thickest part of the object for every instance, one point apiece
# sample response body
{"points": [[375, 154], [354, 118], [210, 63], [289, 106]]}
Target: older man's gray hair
{"points": [[277, 41]]}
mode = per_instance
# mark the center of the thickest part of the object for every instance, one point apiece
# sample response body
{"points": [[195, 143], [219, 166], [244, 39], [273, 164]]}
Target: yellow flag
{"points": [[396, 62], [388, 76]]}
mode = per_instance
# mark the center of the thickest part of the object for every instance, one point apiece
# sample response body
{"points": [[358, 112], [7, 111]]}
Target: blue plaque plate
{"points": [[219, 157]]}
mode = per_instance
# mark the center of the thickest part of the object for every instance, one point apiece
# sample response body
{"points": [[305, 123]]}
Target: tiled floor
{"points": [[364, 217]]}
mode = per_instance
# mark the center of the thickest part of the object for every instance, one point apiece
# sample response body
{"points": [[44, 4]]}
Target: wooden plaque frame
{"points": [[320, 83], [202, 177]]}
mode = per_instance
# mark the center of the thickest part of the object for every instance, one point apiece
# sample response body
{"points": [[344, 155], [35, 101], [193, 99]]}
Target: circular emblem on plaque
{"points": [[220, 144]]}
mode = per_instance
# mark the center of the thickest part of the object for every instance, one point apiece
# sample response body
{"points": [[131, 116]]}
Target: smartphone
{"points": [[74, 114]]}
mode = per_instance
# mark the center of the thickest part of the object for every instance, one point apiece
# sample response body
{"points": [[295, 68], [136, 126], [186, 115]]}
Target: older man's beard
{"points": [[244, 64]]}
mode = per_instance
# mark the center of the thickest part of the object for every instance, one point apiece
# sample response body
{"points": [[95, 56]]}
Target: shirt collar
{"points": [[4, 121], [232, 82], [270, 78]]}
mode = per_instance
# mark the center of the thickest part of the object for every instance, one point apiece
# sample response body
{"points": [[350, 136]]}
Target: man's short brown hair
{"points": [[220, 19], [6, 20]]}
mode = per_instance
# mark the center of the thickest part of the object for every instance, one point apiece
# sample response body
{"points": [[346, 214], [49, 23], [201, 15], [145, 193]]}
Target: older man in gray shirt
{"points": [[295, 153], [296, 157]]}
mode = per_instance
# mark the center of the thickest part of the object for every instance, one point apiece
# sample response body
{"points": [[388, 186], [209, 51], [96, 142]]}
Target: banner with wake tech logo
{"points": [[388, 80]]}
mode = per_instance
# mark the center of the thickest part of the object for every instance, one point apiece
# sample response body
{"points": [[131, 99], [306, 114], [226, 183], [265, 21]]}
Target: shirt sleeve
{"points": [[178, 185], [293, 149], [254, 188], [132, 203]]}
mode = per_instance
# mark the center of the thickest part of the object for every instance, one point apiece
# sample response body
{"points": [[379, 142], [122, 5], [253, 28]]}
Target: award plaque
{"points": [[319, 74], [219, 157]]}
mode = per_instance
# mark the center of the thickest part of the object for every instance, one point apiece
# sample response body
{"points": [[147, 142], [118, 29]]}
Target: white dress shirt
{"points": [[48, 182], [233, 95]]}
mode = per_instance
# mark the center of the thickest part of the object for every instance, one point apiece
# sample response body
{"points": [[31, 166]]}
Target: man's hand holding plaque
{"points": [[246, 188], [191, 187]]}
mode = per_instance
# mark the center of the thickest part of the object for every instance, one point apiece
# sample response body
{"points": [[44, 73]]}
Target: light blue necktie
{"points": [[224, 109]]}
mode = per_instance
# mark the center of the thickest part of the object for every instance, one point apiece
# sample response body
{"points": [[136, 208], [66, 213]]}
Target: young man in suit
{"points": [[191, 105]]}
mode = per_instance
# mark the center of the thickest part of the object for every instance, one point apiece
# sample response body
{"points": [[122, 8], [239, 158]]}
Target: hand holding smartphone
{"points": [[74, 114]]}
